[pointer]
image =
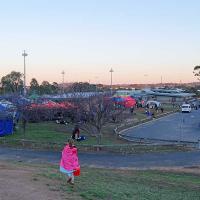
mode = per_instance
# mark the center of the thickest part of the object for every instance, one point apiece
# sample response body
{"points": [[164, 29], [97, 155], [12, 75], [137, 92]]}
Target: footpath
{"points": [[107, 160]]}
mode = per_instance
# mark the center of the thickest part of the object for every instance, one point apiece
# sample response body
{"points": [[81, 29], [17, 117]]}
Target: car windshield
{"points": [[185, 106]]}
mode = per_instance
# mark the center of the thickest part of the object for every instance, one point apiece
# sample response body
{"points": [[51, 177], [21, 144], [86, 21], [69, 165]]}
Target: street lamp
{"points": [[111, 71], [63, 76], [24, 55]]}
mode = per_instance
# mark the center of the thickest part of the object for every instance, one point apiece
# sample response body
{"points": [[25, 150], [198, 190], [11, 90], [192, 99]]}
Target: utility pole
{"points": [[63, 79], [111, 71], [24, 55]]}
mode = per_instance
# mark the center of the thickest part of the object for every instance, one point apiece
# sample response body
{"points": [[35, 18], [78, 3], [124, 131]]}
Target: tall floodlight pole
{"points": [[24, 55], [111, 71], [63, 80]]}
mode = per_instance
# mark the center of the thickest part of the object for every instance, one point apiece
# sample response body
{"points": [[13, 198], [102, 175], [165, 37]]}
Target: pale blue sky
{"points": [[85, 38]]}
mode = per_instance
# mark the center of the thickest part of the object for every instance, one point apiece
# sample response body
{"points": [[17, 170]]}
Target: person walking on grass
{"points": [[69, 161]]}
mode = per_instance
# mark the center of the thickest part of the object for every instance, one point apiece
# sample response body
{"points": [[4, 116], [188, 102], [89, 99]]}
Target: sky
{"points": [[141, 41]]}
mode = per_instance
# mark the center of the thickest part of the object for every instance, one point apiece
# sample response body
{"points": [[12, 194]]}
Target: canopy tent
{"points": [[126, 101], [129, 102], [6, 123], [2, 107], [118, 99], [34, 96], [52, 105]]}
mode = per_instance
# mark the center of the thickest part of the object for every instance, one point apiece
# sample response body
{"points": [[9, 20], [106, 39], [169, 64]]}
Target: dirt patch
{"points": [[21, 182]]}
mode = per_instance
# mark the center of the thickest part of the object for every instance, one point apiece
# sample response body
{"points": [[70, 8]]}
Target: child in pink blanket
{"points": [[69, 161]]}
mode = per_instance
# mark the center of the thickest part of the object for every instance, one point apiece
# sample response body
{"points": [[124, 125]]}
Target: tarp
{"points": [[118, 99], [129, 102], [126, 101], [6, 124], [6, 105], [34, 96], [2, 107]]}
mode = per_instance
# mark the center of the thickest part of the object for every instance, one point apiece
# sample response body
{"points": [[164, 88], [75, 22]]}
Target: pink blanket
{"points": [[69, 160]]}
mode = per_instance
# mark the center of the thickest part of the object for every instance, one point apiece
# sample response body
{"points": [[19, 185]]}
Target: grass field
{"points": [[49, 135], [58, 133], [97, 183], [110, 184], [52, 132]]}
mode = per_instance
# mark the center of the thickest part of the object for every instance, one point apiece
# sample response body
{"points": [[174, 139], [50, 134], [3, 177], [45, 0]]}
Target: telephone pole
{"points": [[24, 55], [63, 80]]}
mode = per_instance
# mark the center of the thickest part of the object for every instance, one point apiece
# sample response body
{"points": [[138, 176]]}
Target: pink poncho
{"points": [[69, 160]]}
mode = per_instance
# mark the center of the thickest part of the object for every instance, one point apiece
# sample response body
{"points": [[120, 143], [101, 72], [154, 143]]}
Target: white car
{"points": [[186, 108]]}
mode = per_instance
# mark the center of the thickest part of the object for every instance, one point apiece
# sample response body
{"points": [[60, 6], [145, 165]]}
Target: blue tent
{"points": [[2, 108], [118, 99], [6, 124]]}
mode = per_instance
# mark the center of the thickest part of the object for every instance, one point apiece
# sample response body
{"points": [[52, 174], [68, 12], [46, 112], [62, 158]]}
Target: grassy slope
{"points": [[111, 184]]}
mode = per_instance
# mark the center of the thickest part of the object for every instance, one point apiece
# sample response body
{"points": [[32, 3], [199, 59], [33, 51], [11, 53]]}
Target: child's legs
{"points": [[72, 181], [71, 176]]}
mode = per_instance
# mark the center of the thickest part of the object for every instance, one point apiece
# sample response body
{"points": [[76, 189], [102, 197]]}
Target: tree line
{"points": [[12, 83]]}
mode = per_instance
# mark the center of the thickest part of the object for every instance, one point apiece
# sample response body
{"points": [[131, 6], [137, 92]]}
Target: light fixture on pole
{"points": [[24, 55], [111, 71], [63, 79]]}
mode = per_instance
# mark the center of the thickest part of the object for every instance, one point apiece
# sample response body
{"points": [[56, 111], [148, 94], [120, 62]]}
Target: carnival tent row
{"points": [[48, 104]]}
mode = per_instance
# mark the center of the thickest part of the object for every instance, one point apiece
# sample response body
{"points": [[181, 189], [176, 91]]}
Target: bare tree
{"points": [[95, 112], [196, 71]]}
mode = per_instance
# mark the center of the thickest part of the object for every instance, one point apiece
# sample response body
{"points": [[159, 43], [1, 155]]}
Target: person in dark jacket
{"points": [[76, 133]]}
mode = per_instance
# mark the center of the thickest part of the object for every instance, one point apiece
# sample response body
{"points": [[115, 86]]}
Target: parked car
{"points": [[186, 108]]}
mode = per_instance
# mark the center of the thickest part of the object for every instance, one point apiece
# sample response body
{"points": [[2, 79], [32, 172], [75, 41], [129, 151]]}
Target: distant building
{"points": [[174, 96], [137, 94], [171, 96]]}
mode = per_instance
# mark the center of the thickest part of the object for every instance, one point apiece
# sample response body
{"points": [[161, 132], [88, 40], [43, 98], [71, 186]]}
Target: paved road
{"points": [[179, 159], [178, 126]]}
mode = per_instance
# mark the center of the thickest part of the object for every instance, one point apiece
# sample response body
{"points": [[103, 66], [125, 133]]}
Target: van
{"points": [[186, 108]]}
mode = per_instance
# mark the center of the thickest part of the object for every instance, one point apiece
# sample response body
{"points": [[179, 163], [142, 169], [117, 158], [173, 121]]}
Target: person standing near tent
{"points": [[69, 163]]}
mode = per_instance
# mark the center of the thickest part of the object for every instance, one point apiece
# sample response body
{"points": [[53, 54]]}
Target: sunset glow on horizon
{"points": [[143, 41]]}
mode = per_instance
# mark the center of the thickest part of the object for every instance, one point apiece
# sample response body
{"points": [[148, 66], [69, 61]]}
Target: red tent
{"points": [[51, 104], [129, 102], [126, 101]]}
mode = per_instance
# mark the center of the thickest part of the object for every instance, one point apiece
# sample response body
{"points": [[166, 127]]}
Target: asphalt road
{"points": [[107, 160], [176, 127]]}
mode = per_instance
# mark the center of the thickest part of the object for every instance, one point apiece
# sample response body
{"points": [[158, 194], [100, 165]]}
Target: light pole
{"points": [[63, 77], [24, 55], [111, 71]]}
